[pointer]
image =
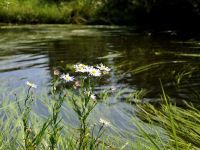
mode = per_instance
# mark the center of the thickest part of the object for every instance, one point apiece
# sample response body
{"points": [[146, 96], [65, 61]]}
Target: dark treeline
{"points": [[175, 13], [162, 13]]}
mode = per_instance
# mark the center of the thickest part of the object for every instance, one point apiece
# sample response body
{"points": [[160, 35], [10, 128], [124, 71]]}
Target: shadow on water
{"points": [[138, 60], [174, 61]]}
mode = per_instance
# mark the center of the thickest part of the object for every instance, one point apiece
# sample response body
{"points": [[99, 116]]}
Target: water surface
{"points": [[138, 59]]}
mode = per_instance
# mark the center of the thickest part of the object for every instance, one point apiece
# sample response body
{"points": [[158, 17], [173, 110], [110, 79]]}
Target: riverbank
{"points": [[157, 15], [36, 11]]}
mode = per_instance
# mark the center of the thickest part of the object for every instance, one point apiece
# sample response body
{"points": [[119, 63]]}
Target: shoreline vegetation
{"points": [[180, 14], [157, 127]]}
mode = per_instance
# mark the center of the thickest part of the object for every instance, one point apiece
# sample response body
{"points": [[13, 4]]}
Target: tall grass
{"points": [[181, 125], [36, 11], [166, 127], [29, 131], [163, 127]]}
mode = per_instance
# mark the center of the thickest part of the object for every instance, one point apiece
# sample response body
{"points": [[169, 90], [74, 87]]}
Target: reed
{"points": [[181, 125]]}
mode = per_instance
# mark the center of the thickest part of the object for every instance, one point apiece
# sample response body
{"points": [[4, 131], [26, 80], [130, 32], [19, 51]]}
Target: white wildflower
{"points": [[67, 77], [81, 68], [103, 68], [92, 96], [104, 122], [31, 84], [94, 72]]}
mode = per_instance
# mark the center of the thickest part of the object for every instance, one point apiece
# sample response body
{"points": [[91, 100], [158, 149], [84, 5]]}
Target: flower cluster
{"points": [[86, 71], [91, 70]]}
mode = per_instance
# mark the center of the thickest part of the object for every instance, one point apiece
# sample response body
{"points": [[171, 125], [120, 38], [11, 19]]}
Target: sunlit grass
{"points": [[158, 133], [35, 11], [181, 125]]}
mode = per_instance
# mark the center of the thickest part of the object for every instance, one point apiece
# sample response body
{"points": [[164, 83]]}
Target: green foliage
{"points": [[42, 11], [167, 126], [32, 132], [82, 100], [31, 139], [136, 96], [123, 12], [182, 126]]}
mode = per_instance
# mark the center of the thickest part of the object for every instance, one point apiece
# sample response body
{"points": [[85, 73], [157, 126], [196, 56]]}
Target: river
{"points": [[138, 59]]}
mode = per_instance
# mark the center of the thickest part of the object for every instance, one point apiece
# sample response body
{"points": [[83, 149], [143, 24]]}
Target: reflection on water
{"points": [[31, 53]]}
